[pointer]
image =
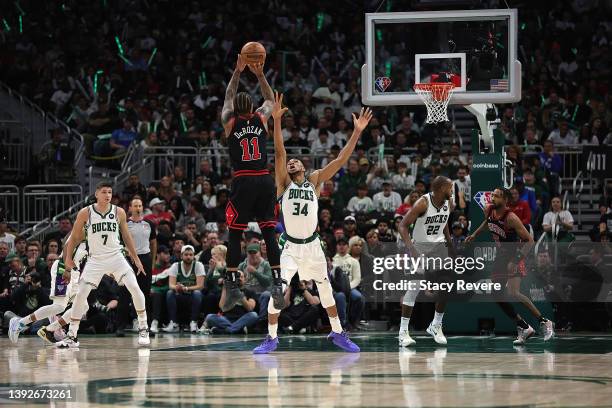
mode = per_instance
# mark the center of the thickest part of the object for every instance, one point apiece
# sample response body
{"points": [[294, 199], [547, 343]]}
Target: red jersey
{"points": [[247, 143]]}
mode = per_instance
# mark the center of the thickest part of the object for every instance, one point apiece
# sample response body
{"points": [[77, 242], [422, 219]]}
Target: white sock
{"points": [[26, 320], [142, 319], [335, 324], [74, 328], [272, 330], [438, 318], [404, 325]]}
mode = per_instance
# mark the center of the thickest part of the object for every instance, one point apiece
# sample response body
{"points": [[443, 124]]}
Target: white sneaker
{"points": [[405, 340], [523, 335], [143, 337], [547, 329], [171, 327], [203, 329], [193, 326], [15, 328], [68, 342], [154, 326], [435, 330]]}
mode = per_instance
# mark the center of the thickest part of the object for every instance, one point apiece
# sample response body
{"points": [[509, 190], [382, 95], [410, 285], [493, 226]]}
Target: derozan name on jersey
{"points": [[248, 130]]}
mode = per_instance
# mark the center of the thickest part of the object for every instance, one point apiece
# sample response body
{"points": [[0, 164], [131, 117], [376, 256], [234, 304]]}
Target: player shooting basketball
{"points": [[253, 192]]}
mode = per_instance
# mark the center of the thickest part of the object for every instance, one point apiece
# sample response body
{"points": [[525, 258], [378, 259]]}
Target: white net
{"points": [[435, 96]]}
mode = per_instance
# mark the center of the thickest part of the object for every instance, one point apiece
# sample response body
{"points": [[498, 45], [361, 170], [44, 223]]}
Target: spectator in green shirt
{"points": [[257, 276]]}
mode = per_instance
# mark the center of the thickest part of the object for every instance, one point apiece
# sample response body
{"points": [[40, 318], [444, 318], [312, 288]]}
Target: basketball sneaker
{"points": [[342, 340], [547, 329], [233, 294], [143, 337], [523, 335], [15, 328], [277, 297], [269, 345], [405, 340], [171, 327], [154, 326], [46, 335], [68, 342], [435, 330]]}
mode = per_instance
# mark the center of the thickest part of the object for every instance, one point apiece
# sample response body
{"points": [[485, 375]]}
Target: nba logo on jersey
{"points": [[483, 198]]}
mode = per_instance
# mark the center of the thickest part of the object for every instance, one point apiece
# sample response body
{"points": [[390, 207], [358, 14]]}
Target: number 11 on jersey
{"points": [[246, 154]]}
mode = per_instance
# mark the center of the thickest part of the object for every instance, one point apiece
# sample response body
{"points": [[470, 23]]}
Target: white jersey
{"points": [[300, 209], [102, 231], [429, 227]]}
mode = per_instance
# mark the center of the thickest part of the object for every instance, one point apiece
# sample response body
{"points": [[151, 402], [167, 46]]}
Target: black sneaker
{"points": [[277, 297], [120, 332], [46, 335], [232, 295]]}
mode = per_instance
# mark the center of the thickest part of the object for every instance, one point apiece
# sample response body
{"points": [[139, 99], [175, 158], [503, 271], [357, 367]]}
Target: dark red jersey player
{"points": [[253, 192]]}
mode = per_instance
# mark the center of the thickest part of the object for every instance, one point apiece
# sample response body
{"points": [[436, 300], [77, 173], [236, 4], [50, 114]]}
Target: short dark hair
{"points": [[104, 183], [243, 103], [506, 193]]}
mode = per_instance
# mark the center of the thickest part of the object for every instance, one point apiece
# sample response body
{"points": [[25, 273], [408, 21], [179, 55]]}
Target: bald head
{"points": [[440, 182], [442, 188]]}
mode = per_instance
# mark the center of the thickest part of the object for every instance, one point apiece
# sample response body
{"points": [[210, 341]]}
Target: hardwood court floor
{"points": [[195, 370]]}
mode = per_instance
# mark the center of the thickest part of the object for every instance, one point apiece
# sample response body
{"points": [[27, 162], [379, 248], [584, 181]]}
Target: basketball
{"points": [[253, 52]]}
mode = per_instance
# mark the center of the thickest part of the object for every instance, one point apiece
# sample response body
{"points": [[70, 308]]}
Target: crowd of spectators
{"points": [[154, 73]]}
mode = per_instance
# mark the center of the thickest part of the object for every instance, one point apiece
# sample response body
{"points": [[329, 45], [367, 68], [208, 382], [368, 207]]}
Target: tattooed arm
{"points": [[266, 90], [230, 93]]}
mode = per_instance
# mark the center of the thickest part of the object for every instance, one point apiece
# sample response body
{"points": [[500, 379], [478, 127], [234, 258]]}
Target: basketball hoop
{"points": [[435, 96]]}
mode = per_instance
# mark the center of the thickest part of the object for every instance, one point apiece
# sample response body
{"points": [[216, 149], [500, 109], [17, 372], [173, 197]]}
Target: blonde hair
{"points": [[219, 249], [355, 240]]}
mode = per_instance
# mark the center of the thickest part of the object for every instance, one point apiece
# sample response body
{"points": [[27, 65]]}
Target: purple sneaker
{"points": [[269, 345], [342, 340]]}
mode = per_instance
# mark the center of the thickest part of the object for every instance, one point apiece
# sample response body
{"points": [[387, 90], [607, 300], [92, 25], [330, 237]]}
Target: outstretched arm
{"points": [[280, 155], [230, 93], [266, 90], [320, 176], [482, 226]]}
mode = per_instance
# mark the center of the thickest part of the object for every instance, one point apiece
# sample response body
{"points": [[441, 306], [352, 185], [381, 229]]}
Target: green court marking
{"points": [[387, 342], [120, 390]]}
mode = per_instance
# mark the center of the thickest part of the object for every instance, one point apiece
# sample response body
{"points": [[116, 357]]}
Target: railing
{"points": [[577, 192], [9, 203], [39, 201], [144, 171], [39, 123], [536, 248]]}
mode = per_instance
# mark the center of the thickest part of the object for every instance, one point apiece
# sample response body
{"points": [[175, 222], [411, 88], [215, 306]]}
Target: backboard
{"points": [[475, 49]]}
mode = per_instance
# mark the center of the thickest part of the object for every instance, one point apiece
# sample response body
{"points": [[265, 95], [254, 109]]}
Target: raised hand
{"points": [[365, 115], [257, 68], [240, 63], [277, 109]]}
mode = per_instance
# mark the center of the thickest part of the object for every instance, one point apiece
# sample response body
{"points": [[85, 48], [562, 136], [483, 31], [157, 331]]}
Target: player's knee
{"points": [[409, 298], [326, 295], [271, 309]]}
